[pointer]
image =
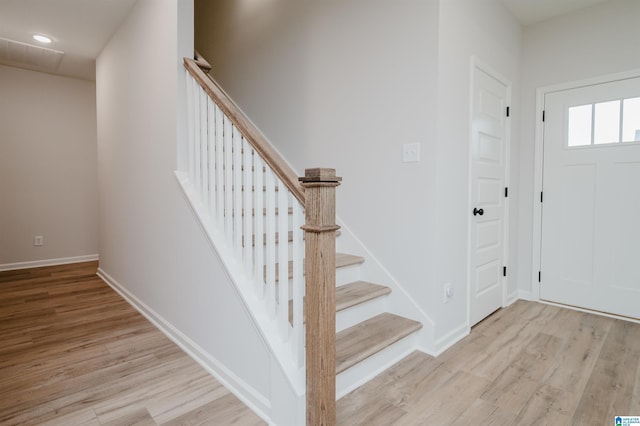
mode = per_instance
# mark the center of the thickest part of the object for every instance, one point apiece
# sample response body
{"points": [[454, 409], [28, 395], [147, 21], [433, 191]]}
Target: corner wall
{"points": [[48, 182]]}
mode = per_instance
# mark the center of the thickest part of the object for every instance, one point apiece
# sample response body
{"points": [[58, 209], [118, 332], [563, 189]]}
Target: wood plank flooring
{"points": [[528, 364], [75, 353]]}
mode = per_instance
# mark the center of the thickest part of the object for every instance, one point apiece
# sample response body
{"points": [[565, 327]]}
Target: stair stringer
{"points": [[399, 302], [287, 403]]}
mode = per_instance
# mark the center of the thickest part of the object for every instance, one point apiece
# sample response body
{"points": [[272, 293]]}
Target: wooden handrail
{"points": [[248, 130], [320, 289], [202, 62]]}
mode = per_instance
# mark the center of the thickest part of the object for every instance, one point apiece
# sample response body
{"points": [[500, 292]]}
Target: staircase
{"points": [[259, 249], [364, 327]]}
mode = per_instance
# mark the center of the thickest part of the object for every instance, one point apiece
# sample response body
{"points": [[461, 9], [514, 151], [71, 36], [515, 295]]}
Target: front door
{"points": [[591, 198], [488, 202]]}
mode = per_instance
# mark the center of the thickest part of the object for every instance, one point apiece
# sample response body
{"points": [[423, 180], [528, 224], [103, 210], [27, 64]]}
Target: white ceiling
{"points": [[79, 28], [533, 11]]}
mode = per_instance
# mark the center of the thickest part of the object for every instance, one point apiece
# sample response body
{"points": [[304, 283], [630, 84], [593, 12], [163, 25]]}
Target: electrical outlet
{"points": [[448, 292], [38, 240]]}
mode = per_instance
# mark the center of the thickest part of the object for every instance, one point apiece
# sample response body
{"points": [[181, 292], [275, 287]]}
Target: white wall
{"points": [[345, 84], [484, 29], [150, 242], [48, 182], [600, 40]]}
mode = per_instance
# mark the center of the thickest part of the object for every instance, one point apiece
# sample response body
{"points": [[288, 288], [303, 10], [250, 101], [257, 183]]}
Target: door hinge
{"points": [[506, 192], [539, 276], [508, 111], [504, 271], [541, 196], [543, 116]]}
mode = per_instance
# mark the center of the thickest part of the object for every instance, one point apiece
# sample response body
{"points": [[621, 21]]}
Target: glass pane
{"points": [[631, 120], [580, 125], [607, 126]]}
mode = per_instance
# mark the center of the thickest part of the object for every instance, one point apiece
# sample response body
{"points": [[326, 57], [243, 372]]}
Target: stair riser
{"points": [[359, 313], [348, 274]]}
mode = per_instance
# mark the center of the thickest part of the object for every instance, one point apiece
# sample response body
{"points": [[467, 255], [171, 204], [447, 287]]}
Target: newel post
{"points": [[320, 294]]}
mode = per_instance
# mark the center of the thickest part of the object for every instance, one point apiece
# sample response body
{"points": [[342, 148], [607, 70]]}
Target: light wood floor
{"points": [[74, 352], [528, 364]]}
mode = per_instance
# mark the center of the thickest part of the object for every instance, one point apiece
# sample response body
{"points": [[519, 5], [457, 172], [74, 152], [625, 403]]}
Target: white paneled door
{"points": [[488, 198], [590, 254]]}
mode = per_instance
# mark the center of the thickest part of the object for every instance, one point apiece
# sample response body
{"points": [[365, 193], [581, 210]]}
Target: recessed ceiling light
{"points": [[42, 39]]}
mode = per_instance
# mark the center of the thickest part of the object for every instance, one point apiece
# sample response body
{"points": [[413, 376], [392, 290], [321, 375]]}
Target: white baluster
{"points": [[237, 191], [204, 154], [258, 205], [196, 147], [249, 212], [220, 168], [228, 179], [270, 222], [297, 220], [283, 261], [211, 148], [191, 87]]}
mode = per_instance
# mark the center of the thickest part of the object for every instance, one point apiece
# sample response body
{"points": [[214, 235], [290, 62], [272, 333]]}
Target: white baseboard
{"points": [[48, 262], [450, 339], [526, 295], [512, 298], [249, 396]]}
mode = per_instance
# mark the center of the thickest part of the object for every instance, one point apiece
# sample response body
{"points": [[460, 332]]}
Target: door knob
{"points": [[477, 211]]}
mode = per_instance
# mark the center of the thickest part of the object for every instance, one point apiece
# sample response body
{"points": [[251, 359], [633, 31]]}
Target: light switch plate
{"points": [[410, 152]]}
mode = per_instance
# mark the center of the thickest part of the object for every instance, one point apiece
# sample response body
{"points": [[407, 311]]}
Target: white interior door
{"points": [[590, 253], [488, 202]]}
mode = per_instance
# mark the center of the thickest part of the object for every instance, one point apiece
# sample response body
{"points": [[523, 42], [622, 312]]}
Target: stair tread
{"points": [[359, 342], [343, 259], [358, 292]]}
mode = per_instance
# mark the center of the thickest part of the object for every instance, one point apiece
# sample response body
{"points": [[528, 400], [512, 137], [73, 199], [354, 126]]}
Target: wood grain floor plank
{"points": [[442, 408], [84, 417], [226, 410], [139, 417], [511, 390], [610, 387], [634, 407], [528, 364], [179, 400], [483, 413], [75, 353], [545, 407]]}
